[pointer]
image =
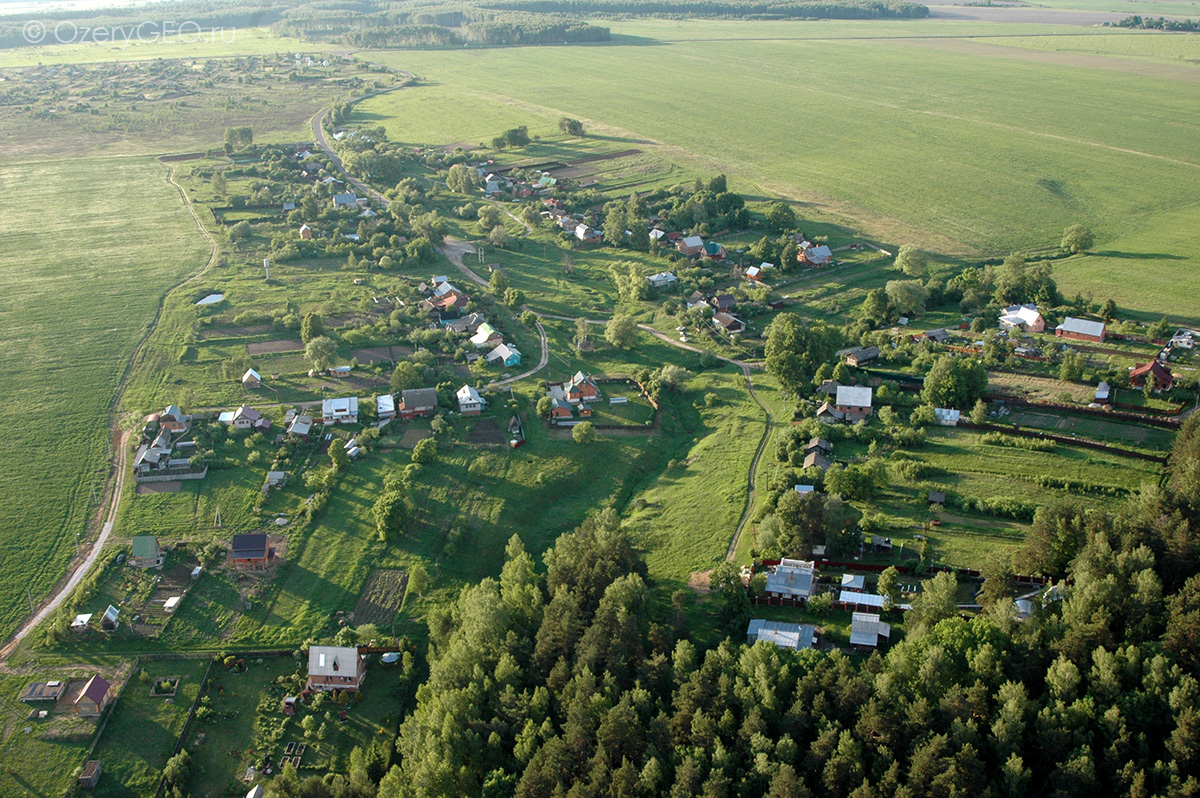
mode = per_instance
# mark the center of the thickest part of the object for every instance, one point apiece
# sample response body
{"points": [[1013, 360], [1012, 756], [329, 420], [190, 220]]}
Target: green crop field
{"points": [[83, 276], [1012, 149]]}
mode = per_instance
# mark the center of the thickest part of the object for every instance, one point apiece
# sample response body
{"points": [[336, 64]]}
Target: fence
{"points": [[172, 476]]}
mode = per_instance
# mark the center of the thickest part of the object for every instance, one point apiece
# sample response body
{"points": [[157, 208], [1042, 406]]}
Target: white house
{"points": [[784, 635], [853, 402], [251, 379], [792, 579], [385, 406], [662, 279], [947, 416], [343, 410], [1022, 318], [470, 403], [866, 630]]}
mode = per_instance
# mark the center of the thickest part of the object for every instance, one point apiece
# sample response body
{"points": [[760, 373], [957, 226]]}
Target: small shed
{"points": [[251, 379], [90, 775], [81, 622], [937, 498], [111, 619]]}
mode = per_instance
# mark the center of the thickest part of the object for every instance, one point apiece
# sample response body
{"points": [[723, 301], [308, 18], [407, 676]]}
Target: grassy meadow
{"points": [[1008, 150], [83, 273]]}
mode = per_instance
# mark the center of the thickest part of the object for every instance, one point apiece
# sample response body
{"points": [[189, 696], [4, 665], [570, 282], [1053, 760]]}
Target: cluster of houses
{"points": [[443, 299], [575, 224], [162, 454], [495, 182], [567, 399], [722, 306]]}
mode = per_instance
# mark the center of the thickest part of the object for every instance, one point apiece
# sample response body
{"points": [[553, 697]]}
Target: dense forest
{"points": [[577, 682]]}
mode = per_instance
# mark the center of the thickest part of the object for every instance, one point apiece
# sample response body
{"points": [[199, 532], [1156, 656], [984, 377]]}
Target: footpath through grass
{"points": [[90, 247]]}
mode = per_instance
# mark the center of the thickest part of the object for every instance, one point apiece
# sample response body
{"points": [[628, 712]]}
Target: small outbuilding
{"points": [[93, 697]]}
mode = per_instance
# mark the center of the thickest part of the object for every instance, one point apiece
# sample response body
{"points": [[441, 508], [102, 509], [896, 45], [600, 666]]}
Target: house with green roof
{"points": [[145, 552]]}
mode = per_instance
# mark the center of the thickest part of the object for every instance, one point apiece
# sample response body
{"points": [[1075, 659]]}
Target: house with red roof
{"points": [[93, 698], [1161, 376]]}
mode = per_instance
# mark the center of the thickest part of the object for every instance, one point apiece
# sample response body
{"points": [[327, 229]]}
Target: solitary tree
{"points": [[621, 331], [584, 432], [498, 283], [1077, 238], [514, 297], [889, 584], [543, 406], [407, 375], [912, 261], [311, 326], [320, 352], [390, 513], [1109, 311], [218, 183], [795, 350], [425, 451], [979, 412], [780, 217], [907, 296], [570, 127], [499, 237], [462, 178]]}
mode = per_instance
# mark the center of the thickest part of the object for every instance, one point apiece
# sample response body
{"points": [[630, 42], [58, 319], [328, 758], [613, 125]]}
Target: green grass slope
{"points": [[90, 246]]}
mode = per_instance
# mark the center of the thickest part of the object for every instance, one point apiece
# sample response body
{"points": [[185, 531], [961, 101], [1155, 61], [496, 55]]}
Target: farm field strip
{"points": [[81, 288], [1065, 117]]}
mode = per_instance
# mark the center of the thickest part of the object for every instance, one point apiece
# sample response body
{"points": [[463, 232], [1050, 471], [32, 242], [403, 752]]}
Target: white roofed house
{"points": [[470, 403], [662, 279], [251, 379], [1081, 329], [1103, 391], [791, 579], [347, 200], [853, 402], [1022, 318], [385, 407], [785, 635], [343, 410], [335, 668], [866, 630], [947, 416]]}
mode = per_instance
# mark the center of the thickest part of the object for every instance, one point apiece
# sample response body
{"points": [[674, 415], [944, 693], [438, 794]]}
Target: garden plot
{"points": [[382, 597]]}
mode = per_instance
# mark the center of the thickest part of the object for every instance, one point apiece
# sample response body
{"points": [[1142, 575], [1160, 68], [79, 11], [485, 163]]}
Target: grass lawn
{"points": [[685, 517], [245, 716], [81, 286], [46, 759], [143, 729]]}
